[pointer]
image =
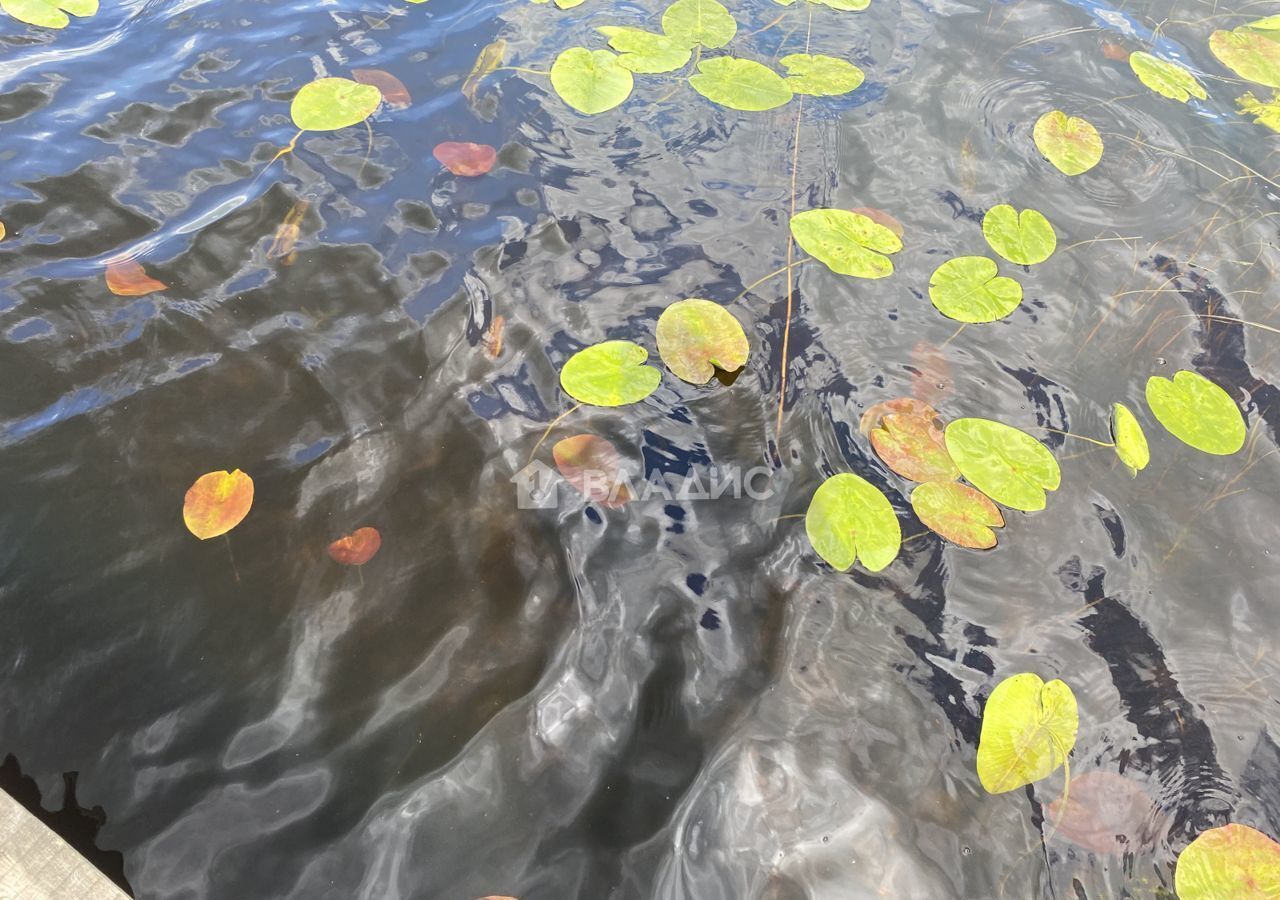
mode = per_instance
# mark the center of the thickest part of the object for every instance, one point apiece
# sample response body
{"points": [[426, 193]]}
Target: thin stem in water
{"points": [[554, 422], [1079, 437]]}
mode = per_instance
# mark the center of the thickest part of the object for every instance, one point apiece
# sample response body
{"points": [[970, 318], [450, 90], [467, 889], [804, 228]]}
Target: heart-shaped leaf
{"points": [[821, 76], [127, 278], [1028, 729], [704, 22], [1070, 143], [1231, 862], [48, 13], [328, 104], [593, 466], [1264, 113], [1166, 78], [357, 548], [968, 289], [846, 242], [1025, 238], [1130, 440], [875, 414], [645, 52], [1106, 813], [913, 446], [393, 91], [1253, 55], [591, 81], [487, 62], [696, 337], [849, 519], [465, 158], [1197, 412], [216, 503], [959, 513], [740, 84], [612, 373], [1009, 466]]}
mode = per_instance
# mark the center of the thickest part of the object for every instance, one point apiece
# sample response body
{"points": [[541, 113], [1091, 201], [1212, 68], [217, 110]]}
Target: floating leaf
{"points": [[1009, 466], [959, 513], [1253, 55], [563, 4], [1025, 238], [1131, 442], [1106, 813], [591, 81], [645, 52], [48, 13], [127, 278], [217, 502], [357, 548], [849, 519], [486, 64], [1070, 143], [930, 372], [704, 22], [821, 76], [740, 84], [846, 242], [1232, 862], [880, 217], [1271, 24], [465, 158], [612, 373], [1028, 729], [1267, 113], [393, 91], [696, 337], [913, 446], [1114, 51], [845, 5], [493, 337], [968, 289], [328, 104], [874, 415], [1167, 79], [286, 236], [593, 466], [1197, 412]]}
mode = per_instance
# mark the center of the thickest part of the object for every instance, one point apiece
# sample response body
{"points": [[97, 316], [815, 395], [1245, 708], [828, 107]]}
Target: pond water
{"points": [[675, 698]]}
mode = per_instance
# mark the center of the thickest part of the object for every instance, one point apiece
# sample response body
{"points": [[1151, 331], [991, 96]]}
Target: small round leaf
{"points": [[1009, 466], [968, 289], [740, 84], [612, 373], [849, 519], [1131, 441], [1197, 412], [1025, 238], [357, 548], [820, 76], [958, 512], [332, 103], [591, 81], [1168, 79], [696, 337], [1028, 728], [846, 242], [217, 502], [1231, 861], [1072, 144]]}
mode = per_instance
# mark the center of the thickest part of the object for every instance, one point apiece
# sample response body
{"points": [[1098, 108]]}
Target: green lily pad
{"points": [[913, 446], [1253, 55], [820, 76], [848, 519], [740, 84], [1231, 861], [696, 337], [563, 4], [1025, 238], [1072, 144], [1197, 412], [704, 22], [48, 13], [846, 242], [1131, 441], [1166, 78], [1028, 730], [612, 373], [328, 104], [844, 5], [1271, 24], [1009, 466], [1264, 113], [644, 52], [958, 512], [968, 289], [591, 81]]}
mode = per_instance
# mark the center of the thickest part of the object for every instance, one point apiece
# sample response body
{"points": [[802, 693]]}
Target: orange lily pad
{"points": [[465, 158], [871, 418], [394, 93], [1106, 813], [127, 278], [913, 446], [961, 514], [593, 466], [1233, 861], [217, 502], [357, 548]]}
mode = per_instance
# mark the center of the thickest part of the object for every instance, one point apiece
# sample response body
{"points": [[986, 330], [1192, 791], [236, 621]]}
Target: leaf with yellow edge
{"points": [[1131, 441], [1264, 113], [1232, 862], [1028, 729], [217, 502], [1168, 79], [696, 337], [958, 512]]}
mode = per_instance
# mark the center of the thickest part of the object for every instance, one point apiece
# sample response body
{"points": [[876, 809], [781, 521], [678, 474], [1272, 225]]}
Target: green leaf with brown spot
{"points": [[1252, 54], [1072, 144], [961, 514], [696, 337]]}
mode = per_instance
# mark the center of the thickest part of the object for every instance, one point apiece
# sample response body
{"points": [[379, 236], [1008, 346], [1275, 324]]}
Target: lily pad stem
{"points": [[521, 69], [231, 556], [774, 274], [554, 422], [1080, 437]]}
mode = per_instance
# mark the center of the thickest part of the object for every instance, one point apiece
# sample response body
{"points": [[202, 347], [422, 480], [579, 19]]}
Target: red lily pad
{"points": [[357, 548], [593, 466], [1107, 814], [465, 158]]}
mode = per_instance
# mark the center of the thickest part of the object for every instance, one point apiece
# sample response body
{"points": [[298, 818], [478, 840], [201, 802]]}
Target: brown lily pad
{"points": [[961, 514]]}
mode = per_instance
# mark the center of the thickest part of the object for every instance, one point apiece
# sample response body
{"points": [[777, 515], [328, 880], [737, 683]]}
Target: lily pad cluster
{"points": [[595, 81], [970, 289]]}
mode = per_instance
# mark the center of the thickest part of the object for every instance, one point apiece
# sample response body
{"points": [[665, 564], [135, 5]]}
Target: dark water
{"points": [[671, 700]]}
